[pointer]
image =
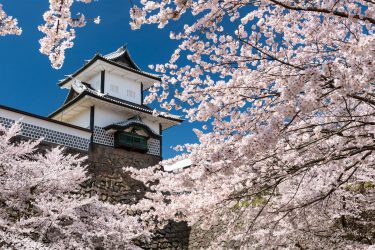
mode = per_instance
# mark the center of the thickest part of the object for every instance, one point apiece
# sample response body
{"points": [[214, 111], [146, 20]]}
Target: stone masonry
{"points": [[108, 181], [111, 184]]}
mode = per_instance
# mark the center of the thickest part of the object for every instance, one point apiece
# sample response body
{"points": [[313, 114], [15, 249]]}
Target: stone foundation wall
{"points": [[108, 181], [173, 236], [111, 184]]}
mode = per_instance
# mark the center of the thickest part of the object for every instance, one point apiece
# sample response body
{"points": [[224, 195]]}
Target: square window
{"points": [[114, 88], [130, 93]]}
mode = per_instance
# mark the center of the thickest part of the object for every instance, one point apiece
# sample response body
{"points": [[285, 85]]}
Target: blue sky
{"points": [[29, 83]]}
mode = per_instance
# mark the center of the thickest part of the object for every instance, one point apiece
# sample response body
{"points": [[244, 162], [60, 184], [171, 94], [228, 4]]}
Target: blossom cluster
{"points": [[59, 30], [8, 24], [288, 88], [40, 203]]}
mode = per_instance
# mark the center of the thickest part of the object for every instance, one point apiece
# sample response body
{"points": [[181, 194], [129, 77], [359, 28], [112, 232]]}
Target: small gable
{"points": [[71, 95], [122, 56], [135, 126]]}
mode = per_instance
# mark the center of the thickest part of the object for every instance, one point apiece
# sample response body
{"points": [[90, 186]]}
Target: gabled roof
{"points": [[134, 121], [114, 100], [122, 56], [119, 58], [71, 95]]}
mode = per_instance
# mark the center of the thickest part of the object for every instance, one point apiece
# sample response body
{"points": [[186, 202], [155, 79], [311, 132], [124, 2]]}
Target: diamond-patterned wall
{"points": [[153, 146], [101, 137], [49, 135]]}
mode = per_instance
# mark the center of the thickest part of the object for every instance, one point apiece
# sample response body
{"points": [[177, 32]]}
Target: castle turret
{"points": [[106, 96]]}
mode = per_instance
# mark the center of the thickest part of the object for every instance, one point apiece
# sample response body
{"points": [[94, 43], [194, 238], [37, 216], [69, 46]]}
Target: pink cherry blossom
{"points": [[40, 206], [288, 88], [8, 24]]}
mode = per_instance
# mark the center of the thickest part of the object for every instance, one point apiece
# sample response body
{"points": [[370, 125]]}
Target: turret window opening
{"points": [[130, 93], [134, 138]]}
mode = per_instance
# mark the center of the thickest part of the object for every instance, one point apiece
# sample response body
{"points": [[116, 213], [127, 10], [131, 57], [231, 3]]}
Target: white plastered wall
{"points": [[44, 124], [105, 116], [115, 82], [153, 125], [95, 82], [82, 119]]}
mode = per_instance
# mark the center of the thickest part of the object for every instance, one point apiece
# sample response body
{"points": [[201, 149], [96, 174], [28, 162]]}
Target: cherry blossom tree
{"points": [[59, 29], [8, 25], [40, 207], [286, 90]]}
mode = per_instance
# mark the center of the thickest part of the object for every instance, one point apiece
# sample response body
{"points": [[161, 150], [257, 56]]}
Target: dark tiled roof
{"points": [[130, 122], [120, 58], [114, 100]]}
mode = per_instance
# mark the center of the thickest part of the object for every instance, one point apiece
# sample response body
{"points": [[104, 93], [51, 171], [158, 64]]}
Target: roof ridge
{"points": [[122, 49], [130, 68], [98, 56], [120, 52]]}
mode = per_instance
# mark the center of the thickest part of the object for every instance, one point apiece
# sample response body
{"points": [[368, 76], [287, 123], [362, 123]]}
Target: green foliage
{"points": [[259, 199], [360, 187]]}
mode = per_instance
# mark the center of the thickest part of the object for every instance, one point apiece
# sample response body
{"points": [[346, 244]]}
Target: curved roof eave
{"points": [[132, 123], [99, 57], [122, 52], [106, 99]]}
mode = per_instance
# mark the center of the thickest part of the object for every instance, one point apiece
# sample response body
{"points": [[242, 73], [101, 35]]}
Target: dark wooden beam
{"points": [[161, 140], [102, 80], [92, 123]]}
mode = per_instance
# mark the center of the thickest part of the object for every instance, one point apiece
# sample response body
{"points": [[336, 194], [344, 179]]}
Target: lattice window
{"points": [[114, 88], [130, 93]]}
